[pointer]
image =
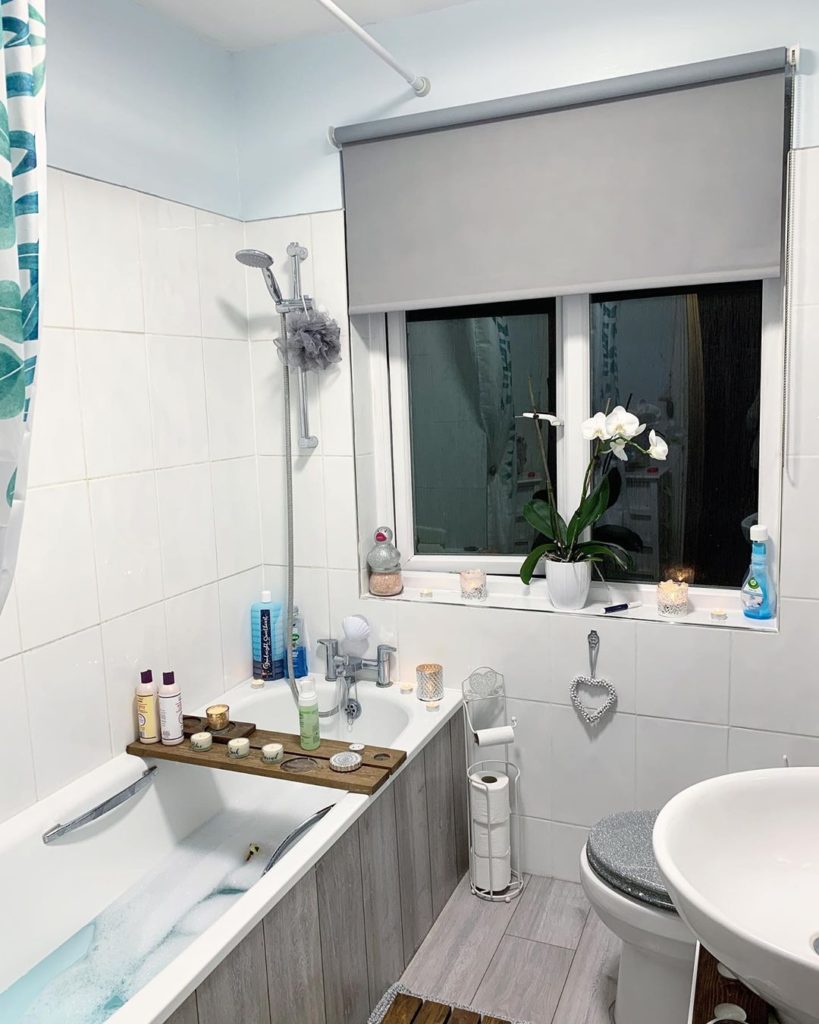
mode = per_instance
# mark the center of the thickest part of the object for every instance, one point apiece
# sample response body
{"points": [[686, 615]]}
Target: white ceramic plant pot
{"points": [[568, 584]]}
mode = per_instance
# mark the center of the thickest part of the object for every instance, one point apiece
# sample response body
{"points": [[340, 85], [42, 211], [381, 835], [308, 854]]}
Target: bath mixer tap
{"points": [[337, 665]]}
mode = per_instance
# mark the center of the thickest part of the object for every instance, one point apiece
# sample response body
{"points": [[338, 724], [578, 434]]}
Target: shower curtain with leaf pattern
{"points": [[22, 186]]}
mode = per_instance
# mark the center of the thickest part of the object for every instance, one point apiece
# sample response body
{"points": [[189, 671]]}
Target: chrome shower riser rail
{"points": [[105, 807]]}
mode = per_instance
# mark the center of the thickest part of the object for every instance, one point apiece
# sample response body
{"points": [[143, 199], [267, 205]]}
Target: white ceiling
{"points": [[253, 23]]}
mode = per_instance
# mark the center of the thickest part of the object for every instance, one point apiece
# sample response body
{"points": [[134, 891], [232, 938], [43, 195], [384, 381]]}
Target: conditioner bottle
{"points": [[170, 710], [147, 710]]}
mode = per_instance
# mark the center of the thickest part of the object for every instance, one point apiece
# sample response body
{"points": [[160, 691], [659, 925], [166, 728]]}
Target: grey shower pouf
{"points": [[380, 1012], [313, 341]]}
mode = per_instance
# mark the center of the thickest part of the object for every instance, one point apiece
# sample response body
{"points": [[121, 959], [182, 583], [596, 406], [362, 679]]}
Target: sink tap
{"points": [[380, 664]]}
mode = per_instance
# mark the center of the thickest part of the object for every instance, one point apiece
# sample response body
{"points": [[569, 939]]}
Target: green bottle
{"points": [[308, 715]]}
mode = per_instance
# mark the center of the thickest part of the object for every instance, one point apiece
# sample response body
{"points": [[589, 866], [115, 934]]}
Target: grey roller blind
{"points": [[679, 186]]}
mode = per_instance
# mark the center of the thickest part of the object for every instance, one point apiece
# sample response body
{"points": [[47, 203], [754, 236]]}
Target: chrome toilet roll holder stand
{"points": [[485, 684]]}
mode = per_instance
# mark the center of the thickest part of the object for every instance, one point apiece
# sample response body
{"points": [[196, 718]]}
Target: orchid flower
{"points": [[618, 450], [620, 423], [657, 448], [595, 428]]}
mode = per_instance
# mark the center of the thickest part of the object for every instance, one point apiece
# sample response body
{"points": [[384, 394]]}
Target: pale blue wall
{"points": [[135, 100], [290, 93]]}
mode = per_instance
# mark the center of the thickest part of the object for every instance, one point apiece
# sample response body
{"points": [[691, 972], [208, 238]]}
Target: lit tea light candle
{"points": [[430, 680], [406, 686], [473, 584], [672, 597]]}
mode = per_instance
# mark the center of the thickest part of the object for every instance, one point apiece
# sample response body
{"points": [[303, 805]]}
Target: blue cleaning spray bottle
{"points": [[758, 594]]}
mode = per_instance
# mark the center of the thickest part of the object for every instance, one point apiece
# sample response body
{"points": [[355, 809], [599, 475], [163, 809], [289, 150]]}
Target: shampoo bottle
{"points": [[299, 649], [267, 638], [308, 715], [758, 594], [147, 710], [170, 710]]}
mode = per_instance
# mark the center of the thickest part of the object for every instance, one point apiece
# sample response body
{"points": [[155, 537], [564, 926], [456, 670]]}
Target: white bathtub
{"points": [[52, 892]]}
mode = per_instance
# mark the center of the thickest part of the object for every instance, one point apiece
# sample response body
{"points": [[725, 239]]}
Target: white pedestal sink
{"points": [[740, 857]]}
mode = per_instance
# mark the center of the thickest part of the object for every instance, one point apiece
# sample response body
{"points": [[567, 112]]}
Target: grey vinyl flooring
{"points": [[545, 958]]}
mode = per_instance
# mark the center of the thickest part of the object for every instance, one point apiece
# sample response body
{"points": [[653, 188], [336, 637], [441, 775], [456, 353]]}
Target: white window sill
{"points": [[509, 592]]}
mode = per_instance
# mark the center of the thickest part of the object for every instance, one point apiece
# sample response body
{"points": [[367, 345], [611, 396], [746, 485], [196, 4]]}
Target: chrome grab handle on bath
{"points": [[144, 780], [297, 833]]}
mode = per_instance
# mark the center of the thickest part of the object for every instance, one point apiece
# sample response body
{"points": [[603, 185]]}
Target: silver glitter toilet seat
{"points": [[619, 850]]}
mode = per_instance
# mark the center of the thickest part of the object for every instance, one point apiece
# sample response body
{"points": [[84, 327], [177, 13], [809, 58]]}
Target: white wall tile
{"points": [[803, 402], [531, 752], [268, 398], [570, 656], [752, 748], [57, 306], [772, 684], [16, 757], [228, 390], [451, 635], [103, 251], [221, 278], [115, 404], [273, 237], [683, 672], [236, 595], [169, 258], [56, 579], [310, 541], [236, 515], [57, 451], [800, 557], [126, 542], [194, 645], [273, 509], [186, 530], [65, 683], [567, 843], [10, 625], [178, 406], [517, 644], [592, 771], [131, 644], [536, 846], [806, 227], [340, 513], [671, 756]]}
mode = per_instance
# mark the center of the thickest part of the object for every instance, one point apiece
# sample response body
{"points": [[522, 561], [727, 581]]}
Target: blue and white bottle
{"points": [[267, 638], [758, 593]]}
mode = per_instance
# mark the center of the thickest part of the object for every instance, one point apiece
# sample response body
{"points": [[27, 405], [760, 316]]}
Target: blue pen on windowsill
{"points": [[621, 607]]}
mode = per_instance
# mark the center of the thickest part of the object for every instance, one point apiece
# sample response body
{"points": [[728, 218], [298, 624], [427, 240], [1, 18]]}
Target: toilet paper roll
{"points": [[500, 734], [501, 872], [490, 839], [489, 797]]}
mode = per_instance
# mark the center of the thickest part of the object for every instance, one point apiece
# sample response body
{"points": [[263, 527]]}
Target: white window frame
{"points": [[387, 346]]}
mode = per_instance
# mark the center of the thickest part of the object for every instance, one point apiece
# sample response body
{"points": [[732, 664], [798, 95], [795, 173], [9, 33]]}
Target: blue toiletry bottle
{"points": [[267, 638], [299, 649], [758, 594]]}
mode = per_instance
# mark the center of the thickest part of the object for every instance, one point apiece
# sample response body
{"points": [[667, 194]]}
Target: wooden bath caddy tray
{"points": [[378, 763]]}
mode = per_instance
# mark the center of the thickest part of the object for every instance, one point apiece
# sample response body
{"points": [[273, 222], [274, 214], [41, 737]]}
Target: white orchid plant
{"points": [[613, 434]]}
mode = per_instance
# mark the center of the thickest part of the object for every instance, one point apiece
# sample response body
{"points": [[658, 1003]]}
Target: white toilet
{"points": [[621, 881]]}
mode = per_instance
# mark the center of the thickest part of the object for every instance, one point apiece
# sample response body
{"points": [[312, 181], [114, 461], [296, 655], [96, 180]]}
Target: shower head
{"points": [[261, 261], [254, 258]]}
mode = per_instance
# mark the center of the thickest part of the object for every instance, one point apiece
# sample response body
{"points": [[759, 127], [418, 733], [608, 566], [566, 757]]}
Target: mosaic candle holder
{"points": [[430, 680], [672, 598], [473, 584]]}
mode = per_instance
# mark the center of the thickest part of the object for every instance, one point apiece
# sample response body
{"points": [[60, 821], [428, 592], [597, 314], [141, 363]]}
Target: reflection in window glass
{"points": [[475, 464], [688, 364]]}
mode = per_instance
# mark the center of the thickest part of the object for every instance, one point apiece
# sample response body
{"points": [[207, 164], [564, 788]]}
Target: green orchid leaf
{"points": [[527, 570], [597, 550], [538, 514]]}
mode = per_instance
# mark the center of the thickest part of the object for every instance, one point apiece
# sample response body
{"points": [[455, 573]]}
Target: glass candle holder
{"points": [[430, 680], [672, 598], [473, 584]]}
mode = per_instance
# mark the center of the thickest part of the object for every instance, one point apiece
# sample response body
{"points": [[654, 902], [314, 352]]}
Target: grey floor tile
{"points": [[591, 984], [455, 955], [525, 979], [550, 911]]}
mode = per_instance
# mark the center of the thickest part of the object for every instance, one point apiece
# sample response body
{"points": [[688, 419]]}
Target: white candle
{"points": [[201, 741], [672, 597], [272, 753], [239, 747]]}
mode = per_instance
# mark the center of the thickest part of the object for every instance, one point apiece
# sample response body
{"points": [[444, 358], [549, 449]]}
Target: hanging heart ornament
{"points": [[592, 714]]}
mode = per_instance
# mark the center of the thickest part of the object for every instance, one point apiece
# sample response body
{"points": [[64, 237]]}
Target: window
{"points": [[688, 361], [475, 463]]}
